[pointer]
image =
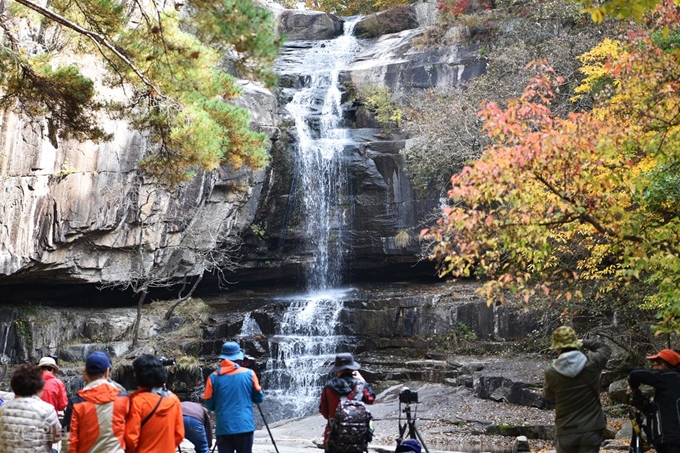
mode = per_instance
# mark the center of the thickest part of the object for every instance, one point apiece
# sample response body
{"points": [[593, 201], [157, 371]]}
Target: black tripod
{"points": [[637, 443], [645, 424], [409, 424]]}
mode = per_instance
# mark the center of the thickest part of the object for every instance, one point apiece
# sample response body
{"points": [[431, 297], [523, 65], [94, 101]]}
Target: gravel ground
{"points": [[447, 418]]}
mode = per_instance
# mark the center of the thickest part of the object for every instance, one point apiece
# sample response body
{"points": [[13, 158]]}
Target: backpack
{"points": [[351, 427]]}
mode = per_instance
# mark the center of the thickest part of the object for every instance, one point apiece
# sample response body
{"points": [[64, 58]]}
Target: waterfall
{"points": [[308, 338]]}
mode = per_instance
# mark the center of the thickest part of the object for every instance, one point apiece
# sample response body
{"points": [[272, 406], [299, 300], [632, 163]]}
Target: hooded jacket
{"points": [[573, 381], [163, 431], [666, 385], [95, 419], [54, 391], [230, 392], [338, 387]]}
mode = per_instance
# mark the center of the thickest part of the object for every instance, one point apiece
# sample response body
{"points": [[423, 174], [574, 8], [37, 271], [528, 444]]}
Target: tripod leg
{"points": [[420, 438]]}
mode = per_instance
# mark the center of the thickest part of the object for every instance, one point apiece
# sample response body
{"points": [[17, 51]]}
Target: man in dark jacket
{"points": [[573, 381], [665, 378], [348, 382]]}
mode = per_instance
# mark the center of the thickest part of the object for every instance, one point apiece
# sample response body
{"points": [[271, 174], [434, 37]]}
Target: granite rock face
{"points": [[392, 61], [83, 213]]}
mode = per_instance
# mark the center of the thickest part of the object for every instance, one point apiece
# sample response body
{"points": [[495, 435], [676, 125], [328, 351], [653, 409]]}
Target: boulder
{"points": [[297, 25], [518, 382], [393, 20]]}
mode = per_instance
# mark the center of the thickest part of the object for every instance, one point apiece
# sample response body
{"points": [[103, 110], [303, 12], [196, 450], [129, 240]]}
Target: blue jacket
{"points": [[230, 392]]}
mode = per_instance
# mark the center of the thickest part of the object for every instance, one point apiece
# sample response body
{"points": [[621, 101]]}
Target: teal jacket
{"points": [[230, 392], [573, 381]]}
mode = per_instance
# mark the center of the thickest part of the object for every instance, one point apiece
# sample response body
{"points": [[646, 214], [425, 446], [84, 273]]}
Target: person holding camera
{"points": [[573, 382], [665, 378], [95, 417], [347, 383], [154, 423], [230, 392]]}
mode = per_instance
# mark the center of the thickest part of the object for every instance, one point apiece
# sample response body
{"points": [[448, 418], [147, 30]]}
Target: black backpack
{"points": [[351, 427]]}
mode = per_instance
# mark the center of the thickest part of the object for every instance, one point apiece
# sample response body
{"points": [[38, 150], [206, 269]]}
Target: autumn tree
{"points": [[166, 62], [584, 206]]}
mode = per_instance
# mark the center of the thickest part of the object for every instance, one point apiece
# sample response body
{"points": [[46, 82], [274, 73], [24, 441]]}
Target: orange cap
{"points": [[667, 355]]}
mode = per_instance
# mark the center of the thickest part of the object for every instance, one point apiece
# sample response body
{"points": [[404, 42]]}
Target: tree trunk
{"points": [[135, 337], [181, 299]]}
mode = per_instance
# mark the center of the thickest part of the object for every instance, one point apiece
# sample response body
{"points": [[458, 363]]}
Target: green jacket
{"points": [[577, 408]]}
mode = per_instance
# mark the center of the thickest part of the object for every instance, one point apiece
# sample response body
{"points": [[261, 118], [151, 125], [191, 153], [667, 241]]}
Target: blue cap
{"points": [[231, 351], [97, 363]]}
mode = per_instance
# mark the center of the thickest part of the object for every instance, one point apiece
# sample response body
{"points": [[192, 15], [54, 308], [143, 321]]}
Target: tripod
{"points": [[410, 425]]}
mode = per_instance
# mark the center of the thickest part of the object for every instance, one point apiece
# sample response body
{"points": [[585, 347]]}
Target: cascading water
{"points": [[308, 336]]}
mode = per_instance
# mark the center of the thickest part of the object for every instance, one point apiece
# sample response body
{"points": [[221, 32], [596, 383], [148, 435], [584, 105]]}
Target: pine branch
{"points": [[96, 37]]}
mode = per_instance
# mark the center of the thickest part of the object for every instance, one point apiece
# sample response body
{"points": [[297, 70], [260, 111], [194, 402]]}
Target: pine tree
{"points": [[167, 61]]}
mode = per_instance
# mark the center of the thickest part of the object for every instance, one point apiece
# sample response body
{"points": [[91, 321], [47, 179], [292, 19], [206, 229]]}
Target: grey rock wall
{"points": [[83, 213]]}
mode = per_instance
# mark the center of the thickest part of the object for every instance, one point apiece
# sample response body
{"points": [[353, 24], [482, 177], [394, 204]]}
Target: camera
{"points": [[167, 361], [408, 396]]}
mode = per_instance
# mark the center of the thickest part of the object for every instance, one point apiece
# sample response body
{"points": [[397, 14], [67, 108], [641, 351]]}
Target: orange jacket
{"points": [[97, 422], [163, 431]]}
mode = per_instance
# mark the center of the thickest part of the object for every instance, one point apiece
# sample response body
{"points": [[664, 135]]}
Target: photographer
{"points": [[573, 381], [230, 392], [154, 423], [348, 383], [665, 378]]}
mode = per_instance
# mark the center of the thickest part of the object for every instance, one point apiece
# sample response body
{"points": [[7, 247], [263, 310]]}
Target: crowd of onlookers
{"points": [[103, 417]]}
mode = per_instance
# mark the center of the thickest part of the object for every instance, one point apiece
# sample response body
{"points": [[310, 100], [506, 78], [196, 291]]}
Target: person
{"points": [[28, 423], [230, 392], [197, 426], [55, 390], [573, 381], [665, 378], [154, 423], [409, 446], [346, 383], [95, 417]]}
